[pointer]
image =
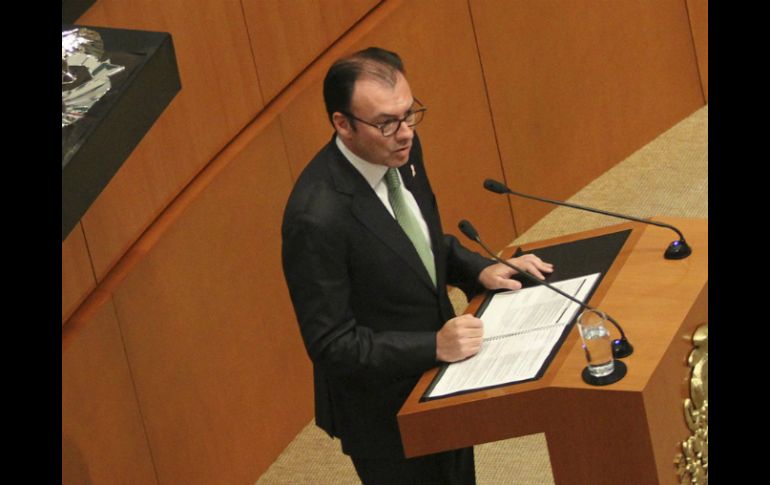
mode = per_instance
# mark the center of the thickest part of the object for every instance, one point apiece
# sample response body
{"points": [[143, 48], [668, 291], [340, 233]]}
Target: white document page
{"points": [[521, 329]]}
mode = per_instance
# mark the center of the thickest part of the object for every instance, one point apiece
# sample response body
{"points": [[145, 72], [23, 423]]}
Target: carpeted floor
{"points": [[667, 177]]}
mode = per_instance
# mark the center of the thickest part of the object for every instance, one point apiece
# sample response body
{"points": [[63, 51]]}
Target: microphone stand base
{"points": [[622, 349], [677, 250], [617, 374]]}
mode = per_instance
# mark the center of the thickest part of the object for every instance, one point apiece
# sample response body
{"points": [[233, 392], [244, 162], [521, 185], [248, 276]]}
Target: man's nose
{"points": [[404, 132]]}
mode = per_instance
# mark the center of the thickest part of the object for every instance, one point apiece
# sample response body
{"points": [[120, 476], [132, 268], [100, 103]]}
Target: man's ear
{"points": [[342, 124]]}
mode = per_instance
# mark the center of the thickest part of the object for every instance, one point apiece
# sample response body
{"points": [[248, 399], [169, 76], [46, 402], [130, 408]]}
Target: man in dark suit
{"points": [[367, 265]]}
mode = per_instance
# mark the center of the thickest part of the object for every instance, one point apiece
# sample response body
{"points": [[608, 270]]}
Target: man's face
{"points": [[377, 102]]}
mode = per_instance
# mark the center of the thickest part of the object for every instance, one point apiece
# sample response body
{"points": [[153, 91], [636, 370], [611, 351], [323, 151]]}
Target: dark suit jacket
{"points": [[366, 307]]}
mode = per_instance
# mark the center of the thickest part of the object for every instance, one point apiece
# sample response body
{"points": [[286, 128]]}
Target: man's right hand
{"points": [[459, 338]]}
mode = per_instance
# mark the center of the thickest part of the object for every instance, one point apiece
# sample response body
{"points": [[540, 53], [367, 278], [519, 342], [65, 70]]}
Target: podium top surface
{"points": [[647, 294]]}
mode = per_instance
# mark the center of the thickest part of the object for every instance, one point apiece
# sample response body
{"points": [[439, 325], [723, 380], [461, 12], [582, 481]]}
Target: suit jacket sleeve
{"points": [[464, 267]]}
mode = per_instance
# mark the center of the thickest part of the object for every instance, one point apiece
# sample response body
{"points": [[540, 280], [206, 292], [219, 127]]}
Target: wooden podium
{"points": [[627, 432]]}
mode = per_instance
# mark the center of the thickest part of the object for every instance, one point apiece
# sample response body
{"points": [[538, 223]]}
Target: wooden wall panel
{"points": [[699, 23], [577, 86], [287, 36], [77, 278], [306, 126], [103, 439], [221, 373], [222, 379], [458, 142], [219, 96]]}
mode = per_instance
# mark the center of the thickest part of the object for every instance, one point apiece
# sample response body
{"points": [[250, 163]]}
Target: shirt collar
{"points": [[372, 172]]}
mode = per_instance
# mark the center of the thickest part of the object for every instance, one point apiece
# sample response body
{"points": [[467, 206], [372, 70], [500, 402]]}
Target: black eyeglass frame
{"points": [[381, 126]]}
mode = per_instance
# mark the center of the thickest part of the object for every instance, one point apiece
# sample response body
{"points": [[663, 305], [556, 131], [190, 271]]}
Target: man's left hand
{"points": [[498, 276]]}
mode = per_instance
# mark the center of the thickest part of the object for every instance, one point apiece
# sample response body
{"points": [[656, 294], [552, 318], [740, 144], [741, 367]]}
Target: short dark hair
{"points": [[341, 78]]}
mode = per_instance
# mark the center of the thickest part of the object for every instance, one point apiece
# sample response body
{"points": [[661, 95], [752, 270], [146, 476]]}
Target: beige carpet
{"points": [[667, 177]]}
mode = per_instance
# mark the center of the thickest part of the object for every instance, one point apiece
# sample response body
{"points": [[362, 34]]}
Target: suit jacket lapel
{"points": [[368, 209], [371, 213]]}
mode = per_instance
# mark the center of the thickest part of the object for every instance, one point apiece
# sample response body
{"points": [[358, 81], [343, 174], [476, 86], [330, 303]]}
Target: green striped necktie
{"points": [[408, 222]]}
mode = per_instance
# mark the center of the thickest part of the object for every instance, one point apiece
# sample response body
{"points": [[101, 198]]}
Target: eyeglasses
{"points": [[390, 127]]}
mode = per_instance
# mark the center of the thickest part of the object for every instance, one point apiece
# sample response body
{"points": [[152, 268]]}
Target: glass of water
{"points": [[596, 342]]}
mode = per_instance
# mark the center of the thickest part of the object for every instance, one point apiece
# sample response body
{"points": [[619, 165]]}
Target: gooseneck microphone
{"points": [[676, 250], [620, 347]]}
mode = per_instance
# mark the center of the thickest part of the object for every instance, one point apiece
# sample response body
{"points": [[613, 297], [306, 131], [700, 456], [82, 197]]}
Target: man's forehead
{"points": [[375, 96]]}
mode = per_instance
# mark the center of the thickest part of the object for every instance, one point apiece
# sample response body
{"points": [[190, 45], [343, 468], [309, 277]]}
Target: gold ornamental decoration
{"points": [[692, 462]]}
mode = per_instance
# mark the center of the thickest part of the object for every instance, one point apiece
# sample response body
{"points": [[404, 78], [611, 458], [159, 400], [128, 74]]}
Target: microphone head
{"points": [[495, 186], [468, 229]]}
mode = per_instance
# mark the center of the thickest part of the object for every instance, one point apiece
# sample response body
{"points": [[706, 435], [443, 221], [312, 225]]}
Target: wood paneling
{"points": [[287, 36], [221, 378], [577, 86], [670, 386], [220, 370], [306, 127], [103, 440], [77, 278], [699, 23], [458, 142], [219, 96]]}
